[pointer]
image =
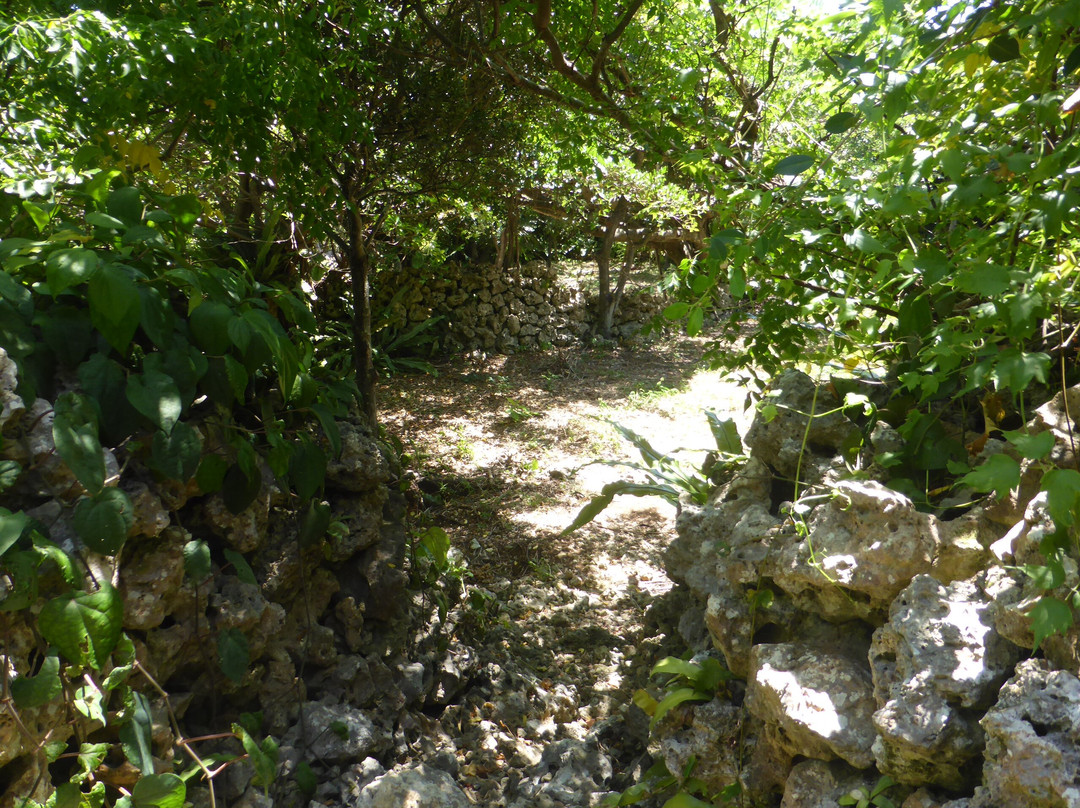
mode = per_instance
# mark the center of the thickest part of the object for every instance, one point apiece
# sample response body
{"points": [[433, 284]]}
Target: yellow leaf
{"points": [[973, 62]]}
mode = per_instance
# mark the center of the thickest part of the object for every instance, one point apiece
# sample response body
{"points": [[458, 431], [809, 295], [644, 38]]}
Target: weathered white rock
{"points": [[11, 404], [361, 466], [822, 702], [1032, 757], [413, 787], [338, 733], [714, 725], [817, 784], [937, 664]]}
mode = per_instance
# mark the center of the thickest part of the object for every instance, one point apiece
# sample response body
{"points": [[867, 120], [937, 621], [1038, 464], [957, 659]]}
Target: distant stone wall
{"points": [[528, 307]]}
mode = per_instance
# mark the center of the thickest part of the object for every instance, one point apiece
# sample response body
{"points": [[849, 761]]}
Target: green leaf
{"points": [[136, 734], [103, 521], [1062, 487], [685, 800], [1033, 447], [91, 756], [75, 433], [1050, 616], [793, 165], [725, 433], [314, 523], [67, 268], [125, 204], [329, 427], [677, 667], [210, 326], [990, 280], [674, 699], [1072, 61], [863, 242], [307, 468], [598, 503], [9, 475], [1000, 474], [841, 122], [114, 305], [156, 396], [99, 219], [12, 526], [1050, 576], [211, 473], [34, 691], [84, 626], [240, 564], [159, 791], [177, 455], [156, 317], [1016, 369], [737, 281], [233, 654], [695, 321], [240, 487], [676, 311], [306, 779], [1003, 48], [263, 757], [197, 560]]}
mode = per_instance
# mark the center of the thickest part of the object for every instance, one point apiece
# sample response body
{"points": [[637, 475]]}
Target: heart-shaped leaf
{"points": [[84, 626], [103, 521], [156, 396]]}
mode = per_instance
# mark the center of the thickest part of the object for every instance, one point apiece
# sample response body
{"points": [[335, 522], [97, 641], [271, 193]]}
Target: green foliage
{"points": [[865, 798], [668, 477]]}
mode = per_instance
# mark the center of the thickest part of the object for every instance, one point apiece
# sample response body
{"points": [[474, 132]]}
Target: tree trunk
{"points": [[359, 271], [603, 266], [608, 314]]}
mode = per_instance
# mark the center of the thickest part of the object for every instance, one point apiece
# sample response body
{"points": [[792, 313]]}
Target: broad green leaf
{"points": [[677, 667], [1072, 61], [1048, 576], [1062, 487], [329, 426], [211, 473], [307, 468], [725, 433], [114, 305], [263, 757], [197, 560], [104, 520], [159, 791], [685, 800], [695, 321], [1000, 474], [314, 523], [90, 701], [91, 756], [156, 317], [1015, 369], [75, 433], [863, 242], [233, 654], [737, 281], [676, 311], [645, 702], [1033, 447], [1050, 616], [239, 487], [12, 526], [210, 325], [1003, 48], [305, 779], [177, 455], [156, 396], [136, 734], [125, 204], [67, 268], [674, 699], [841, 122], [241, 566], [793, 165], [84, 626], [9, 475], [99, 219], [43, 687]]}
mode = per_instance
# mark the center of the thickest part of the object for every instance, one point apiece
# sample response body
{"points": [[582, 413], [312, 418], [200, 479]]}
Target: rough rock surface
{"points": [[413, 787], [820, 703], [1033, 741], [937, 664]]}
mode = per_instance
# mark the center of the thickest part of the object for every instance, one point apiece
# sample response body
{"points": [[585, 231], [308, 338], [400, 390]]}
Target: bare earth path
{"points": [[498, 450]]}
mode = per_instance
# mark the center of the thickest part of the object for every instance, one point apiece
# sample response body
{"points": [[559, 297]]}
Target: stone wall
{"points": [[871, 638], [533, 306]]}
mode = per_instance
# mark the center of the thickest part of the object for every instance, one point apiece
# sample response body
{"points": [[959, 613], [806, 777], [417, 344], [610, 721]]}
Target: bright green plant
{"points": [[669, 478], [865, 798]]}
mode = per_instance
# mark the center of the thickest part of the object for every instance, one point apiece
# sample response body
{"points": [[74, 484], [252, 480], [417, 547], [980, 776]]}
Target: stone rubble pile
{"points": [[486, 308], [891, 642]]}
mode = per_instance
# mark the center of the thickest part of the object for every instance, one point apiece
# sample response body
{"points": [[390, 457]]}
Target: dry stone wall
{"points": [[891, 642], [486, 308]]}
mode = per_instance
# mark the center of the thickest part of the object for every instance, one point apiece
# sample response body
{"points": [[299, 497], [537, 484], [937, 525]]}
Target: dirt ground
{"points": [[503, 450]]}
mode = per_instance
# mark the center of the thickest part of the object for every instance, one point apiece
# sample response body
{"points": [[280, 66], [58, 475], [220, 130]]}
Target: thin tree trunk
{"points": [[624, 273], [363, 364], [603, 265]]}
